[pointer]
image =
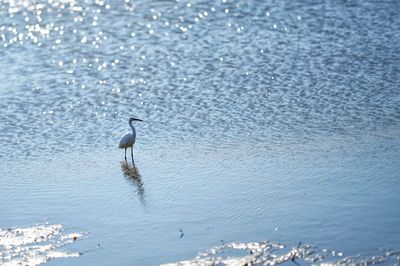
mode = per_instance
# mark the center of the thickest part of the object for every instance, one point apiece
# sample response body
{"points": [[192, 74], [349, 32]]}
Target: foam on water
{"points": [[266, 253], [35, 245]]}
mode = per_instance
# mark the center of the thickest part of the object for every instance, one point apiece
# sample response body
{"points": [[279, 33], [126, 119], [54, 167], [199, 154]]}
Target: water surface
{"points": [[264, 121]]}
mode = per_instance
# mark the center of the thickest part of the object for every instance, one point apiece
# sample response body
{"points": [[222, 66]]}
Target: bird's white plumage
{"points": [[127, 140]]}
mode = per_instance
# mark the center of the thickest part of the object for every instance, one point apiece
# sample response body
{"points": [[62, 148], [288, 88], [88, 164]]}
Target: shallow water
{"points": [[273, 121]]}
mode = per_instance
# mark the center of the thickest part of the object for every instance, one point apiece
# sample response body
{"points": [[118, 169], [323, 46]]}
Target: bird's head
{"points": [[134, 119]]}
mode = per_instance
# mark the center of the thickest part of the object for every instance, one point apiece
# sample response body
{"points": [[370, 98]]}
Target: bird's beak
{"points": [[137, 119]]}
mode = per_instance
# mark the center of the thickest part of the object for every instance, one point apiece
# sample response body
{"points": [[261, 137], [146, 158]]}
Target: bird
{"points": [[129, 138]]}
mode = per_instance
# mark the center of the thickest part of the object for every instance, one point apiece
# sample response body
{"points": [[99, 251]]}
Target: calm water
{"points": [[264, 121]]}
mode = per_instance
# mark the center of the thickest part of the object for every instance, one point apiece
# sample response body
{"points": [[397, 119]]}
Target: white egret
{"points": [[129, 138]]}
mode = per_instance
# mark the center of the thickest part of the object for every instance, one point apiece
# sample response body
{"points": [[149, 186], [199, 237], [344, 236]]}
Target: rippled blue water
{"points": [[264, 120]]}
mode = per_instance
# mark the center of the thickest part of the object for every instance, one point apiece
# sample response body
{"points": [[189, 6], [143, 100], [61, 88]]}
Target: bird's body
{"points": [[128, 140]]}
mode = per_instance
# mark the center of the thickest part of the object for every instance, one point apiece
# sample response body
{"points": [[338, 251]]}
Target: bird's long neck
{"points": [[133, 128]]}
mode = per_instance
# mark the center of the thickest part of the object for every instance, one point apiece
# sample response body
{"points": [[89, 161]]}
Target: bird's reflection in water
{"points": [[131, 173]]}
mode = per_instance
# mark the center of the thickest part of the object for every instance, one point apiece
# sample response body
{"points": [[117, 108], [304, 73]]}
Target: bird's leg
{"points": [[125, 154], [133, 161]]}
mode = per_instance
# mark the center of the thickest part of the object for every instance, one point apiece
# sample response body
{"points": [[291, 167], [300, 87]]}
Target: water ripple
{"points": [[231, 70]]}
